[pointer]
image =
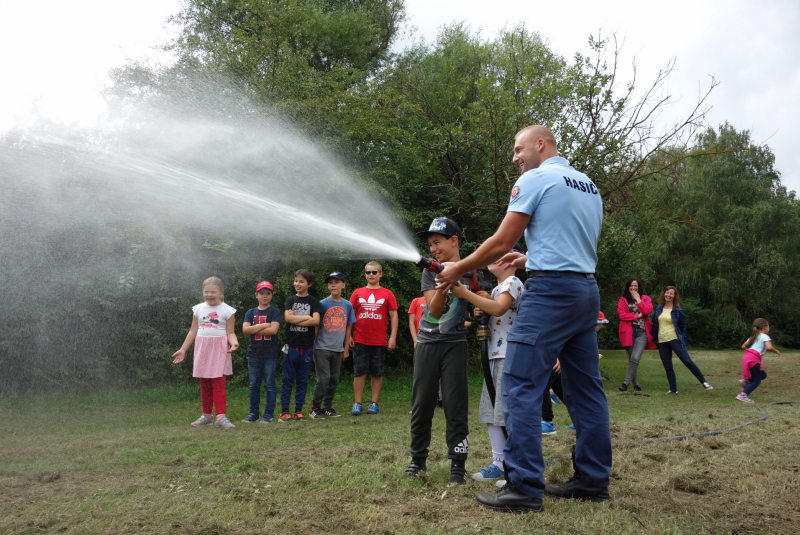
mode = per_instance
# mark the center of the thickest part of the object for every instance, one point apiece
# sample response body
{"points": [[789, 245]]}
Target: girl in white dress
{"points": [[214, 341]]}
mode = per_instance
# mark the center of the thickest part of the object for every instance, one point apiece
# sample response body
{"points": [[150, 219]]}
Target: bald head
{"points": [[536, 132], [532, 146]]}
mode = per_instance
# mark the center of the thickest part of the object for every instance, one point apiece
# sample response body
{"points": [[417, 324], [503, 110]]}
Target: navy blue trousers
{"points": [[556, 318], [756, 376], [262, 371], [665, 351], [296, 365]]}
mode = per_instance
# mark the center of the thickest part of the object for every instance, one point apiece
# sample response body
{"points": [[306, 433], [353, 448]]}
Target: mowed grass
{"points": [[128, 462]]}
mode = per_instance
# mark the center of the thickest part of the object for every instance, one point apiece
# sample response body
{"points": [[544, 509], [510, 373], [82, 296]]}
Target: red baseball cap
{"points": [[264, 284], [602, 318]]}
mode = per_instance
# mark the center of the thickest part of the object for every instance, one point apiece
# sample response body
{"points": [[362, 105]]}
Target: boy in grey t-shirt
{"points": [[441, 351], [332, 346]]}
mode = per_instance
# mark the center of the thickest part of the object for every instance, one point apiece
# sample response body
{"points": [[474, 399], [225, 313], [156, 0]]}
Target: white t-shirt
{"points": [[760, 343], [212, 321], [501, 325]]}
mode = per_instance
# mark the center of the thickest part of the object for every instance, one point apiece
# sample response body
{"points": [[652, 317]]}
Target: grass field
{"points": [[128, 462]]}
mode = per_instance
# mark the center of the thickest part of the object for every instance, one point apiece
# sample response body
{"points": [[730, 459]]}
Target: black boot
{"points": [[458, 473], [416, 467], [623, 387], [509, 499], [577, 487]]}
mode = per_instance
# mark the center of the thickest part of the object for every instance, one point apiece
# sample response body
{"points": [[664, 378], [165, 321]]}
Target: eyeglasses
{"points": [[371, 272]]}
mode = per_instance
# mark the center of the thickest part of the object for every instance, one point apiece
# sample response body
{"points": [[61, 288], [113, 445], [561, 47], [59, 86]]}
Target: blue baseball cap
{"points": [[335, 275], [444, 226]]}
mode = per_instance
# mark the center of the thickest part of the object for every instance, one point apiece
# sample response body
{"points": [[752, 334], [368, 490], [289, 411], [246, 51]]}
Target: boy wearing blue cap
{"points": [[441, 351]]}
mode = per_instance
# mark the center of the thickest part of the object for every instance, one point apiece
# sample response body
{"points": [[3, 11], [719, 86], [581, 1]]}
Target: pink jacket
{"points": [[626, 317], [750, 357]]}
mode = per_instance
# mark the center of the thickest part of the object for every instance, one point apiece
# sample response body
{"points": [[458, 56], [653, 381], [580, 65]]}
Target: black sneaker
{"points": [[576, 487], [458, 473], [317, 414], [250, 418], [623, 387], [510, 500], [637, 388], [416, 468], [330, 413]]}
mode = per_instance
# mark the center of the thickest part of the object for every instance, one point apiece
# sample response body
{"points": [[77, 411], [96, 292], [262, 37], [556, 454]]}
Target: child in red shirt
{"points": [[373, 306]]}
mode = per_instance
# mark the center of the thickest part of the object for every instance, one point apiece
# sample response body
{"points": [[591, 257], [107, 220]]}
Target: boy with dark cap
{"points": [[441, 351], [332, 346]]}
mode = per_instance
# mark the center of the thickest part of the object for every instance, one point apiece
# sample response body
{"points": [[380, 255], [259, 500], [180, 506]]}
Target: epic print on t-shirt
{"points": [[300, 335]]}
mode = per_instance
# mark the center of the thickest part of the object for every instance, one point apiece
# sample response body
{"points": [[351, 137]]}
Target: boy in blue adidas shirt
{"points": [[262, 324], [332, 346]]}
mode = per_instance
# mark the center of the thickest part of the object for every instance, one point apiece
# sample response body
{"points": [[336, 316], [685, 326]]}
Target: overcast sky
{"points": [[56, 55]]}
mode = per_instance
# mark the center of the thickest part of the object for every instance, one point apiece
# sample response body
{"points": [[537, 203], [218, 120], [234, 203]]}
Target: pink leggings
{"points": [[212, 393]]}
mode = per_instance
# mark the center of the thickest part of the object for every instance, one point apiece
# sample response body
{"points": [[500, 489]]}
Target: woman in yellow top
{"points": [[669, 332]]}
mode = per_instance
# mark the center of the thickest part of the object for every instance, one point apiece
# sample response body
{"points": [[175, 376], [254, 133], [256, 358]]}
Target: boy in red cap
{"points": [[262, 324]]}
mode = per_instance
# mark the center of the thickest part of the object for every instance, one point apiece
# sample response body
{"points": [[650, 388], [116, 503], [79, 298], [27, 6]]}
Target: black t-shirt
{"points": [[263, 346], [297, 335], [449, 327]]}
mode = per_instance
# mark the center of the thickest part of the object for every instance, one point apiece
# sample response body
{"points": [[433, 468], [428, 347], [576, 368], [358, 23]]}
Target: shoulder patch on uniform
{"points": [[515, 192]]}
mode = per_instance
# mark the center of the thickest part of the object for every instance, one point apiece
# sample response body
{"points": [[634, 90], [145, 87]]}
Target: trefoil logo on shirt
{"points": [[370, 306]]}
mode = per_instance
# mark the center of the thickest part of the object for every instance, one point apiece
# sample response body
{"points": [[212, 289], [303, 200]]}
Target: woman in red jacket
{"points": [[633, 310]]}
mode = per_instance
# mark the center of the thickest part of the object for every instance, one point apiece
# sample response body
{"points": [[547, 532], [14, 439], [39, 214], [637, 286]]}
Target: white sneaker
{"points": [[224, 423], [203, 420], [708, 386]]}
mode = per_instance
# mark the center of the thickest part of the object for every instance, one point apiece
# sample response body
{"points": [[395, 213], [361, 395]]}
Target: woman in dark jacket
{"points": [[669, 332]]}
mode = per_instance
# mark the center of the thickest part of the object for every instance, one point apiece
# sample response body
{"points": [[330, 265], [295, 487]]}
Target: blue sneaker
{"points": [[250, 418], [490, 473], [548, 428], [571, 427], [554, 398], [356, 410], [373, 408]]}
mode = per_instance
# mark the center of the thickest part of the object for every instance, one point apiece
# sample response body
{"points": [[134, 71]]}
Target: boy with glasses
{"points": [[374, 307]]}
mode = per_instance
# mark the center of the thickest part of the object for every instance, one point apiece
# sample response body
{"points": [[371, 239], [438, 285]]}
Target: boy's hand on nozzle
{"points": [[483, 294], [460, 291], [179, 356], [477, 312], [449, 275]]}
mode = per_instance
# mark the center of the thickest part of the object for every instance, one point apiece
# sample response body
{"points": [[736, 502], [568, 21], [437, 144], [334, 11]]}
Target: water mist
{"points": [[77, 205]]}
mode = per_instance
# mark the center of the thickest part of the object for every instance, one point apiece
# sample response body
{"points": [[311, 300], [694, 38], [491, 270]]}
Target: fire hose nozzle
{"points": [[430, 264]]}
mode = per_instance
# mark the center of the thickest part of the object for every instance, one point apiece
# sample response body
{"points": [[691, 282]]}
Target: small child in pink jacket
{"points": [[754, 349]]}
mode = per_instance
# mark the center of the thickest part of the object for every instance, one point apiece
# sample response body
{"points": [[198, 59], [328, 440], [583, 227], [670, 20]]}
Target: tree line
{"points": [[430, 130]]}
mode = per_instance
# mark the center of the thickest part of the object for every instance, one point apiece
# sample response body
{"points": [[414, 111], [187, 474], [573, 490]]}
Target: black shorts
{"points": [[368, 360]]}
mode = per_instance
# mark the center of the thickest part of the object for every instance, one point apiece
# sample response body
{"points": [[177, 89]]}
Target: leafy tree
{"points": [[724, 232]]}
